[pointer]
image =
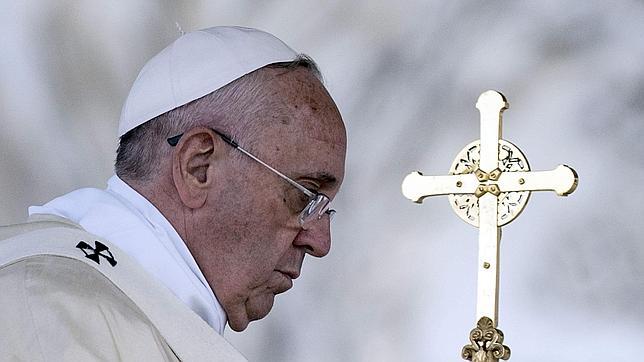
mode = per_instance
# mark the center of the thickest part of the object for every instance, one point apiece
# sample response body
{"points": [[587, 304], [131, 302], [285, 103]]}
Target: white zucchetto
{"points": [[195, 65]]}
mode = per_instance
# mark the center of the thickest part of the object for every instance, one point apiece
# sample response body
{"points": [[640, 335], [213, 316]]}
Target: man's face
{"points": [[254, 245]]}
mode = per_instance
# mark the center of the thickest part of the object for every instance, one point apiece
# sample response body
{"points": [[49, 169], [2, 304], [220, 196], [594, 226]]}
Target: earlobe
{"points": [[193, 166]]}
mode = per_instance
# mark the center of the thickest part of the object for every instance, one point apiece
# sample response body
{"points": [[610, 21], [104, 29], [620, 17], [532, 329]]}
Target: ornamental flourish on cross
{"points": [[488, 186]]}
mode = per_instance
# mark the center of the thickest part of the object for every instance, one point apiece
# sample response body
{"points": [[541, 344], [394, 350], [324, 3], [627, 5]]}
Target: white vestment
{"points": [[132, 223], [68, 295]]}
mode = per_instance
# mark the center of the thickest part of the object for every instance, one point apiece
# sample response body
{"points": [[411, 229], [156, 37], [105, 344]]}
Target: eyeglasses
{"points": [[318, 204]]}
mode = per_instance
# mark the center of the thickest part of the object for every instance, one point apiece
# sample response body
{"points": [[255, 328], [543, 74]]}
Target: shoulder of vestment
{"points": [[76, 295]]}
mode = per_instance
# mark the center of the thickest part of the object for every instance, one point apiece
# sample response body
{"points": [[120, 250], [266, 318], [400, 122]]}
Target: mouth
{"points": [[287, 282], [291, 274]]}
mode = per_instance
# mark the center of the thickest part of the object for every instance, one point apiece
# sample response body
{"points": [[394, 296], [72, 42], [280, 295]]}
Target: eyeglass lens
{"points": [[315, 209]]}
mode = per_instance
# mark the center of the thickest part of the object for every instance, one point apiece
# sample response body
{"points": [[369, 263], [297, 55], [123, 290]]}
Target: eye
{"points": [[296, 200], [312, 186], [303, 200]]}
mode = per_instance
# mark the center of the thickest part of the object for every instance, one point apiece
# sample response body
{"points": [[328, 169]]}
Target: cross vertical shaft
{"points": [[487, 295], [490, 106]]}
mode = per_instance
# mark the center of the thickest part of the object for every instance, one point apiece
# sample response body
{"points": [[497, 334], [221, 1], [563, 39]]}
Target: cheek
{"points": [[260, 228], [260, 251], [268, 251]]}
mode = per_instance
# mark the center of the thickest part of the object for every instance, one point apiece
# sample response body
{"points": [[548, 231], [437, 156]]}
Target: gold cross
{"points": [[488, 186]]}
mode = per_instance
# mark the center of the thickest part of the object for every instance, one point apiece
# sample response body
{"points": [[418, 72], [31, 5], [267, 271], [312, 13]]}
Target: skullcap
{"points": [[196, 64]]}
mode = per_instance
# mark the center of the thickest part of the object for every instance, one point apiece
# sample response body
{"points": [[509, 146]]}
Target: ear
{"points": [[193, 165]]}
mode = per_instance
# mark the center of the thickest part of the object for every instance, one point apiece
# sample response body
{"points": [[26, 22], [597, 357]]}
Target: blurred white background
{"points": [[400, 282]]}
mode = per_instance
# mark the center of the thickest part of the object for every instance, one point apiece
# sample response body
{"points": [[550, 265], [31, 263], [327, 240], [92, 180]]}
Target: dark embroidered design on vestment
{"points": [[97, 252]]}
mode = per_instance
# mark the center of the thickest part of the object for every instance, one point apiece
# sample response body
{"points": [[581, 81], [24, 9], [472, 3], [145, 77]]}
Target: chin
{"points": [[238, 326], [255, 308], [259, 308]]}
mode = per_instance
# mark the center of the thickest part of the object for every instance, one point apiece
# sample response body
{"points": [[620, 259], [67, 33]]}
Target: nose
{"points": [[316, 239]]}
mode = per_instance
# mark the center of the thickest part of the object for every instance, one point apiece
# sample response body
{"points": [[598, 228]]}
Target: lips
{"points": [[286, 282], [292, 274]]}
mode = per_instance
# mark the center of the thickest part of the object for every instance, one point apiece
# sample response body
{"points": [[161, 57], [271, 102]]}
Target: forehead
{"points": [[302, 131]]}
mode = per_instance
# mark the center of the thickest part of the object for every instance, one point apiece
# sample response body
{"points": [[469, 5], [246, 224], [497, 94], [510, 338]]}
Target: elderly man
{"points": [[230, 152]]}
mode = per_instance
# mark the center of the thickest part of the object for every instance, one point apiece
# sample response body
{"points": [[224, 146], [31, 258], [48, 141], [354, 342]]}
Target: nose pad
{"points": [[316, 240]]}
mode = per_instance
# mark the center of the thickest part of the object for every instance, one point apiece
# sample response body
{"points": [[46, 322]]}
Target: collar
{"points": [[127, 219]]}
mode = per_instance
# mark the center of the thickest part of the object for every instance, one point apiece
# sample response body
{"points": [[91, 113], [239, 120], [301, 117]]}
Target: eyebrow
{"points": [[323, 177]]}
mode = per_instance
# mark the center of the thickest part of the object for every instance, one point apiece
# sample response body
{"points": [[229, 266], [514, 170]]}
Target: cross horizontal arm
{"points": [[562, 180], [417, 187]]}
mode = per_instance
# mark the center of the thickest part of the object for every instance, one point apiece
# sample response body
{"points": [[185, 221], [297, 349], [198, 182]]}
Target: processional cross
{"points": [[488, 186]]}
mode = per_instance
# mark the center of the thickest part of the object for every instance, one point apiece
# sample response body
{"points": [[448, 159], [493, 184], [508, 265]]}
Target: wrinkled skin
{"points": [[240, 220]]}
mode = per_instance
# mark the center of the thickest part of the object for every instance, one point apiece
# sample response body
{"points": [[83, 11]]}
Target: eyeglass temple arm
{"points": [[286, 178], [174, 140]]}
